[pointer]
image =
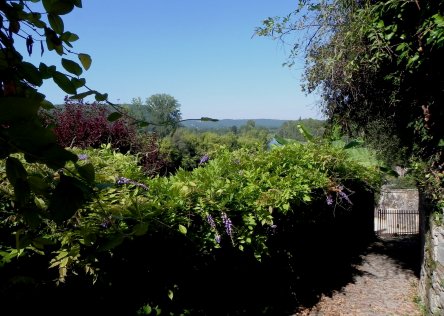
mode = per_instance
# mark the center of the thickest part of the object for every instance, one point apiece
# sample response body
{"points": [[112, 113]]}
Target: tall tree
{"points": [[377, 66], [163, 111]]}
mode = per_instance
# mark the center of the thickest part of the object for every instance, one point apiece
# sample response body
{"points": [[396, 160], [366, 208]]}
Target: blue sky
{"points": [[200, 52]]}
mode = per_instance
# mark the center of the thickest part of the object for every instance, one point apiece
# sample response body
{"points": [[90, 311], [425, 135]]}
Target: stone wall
{"points": [[431, 285], [398, 199]]}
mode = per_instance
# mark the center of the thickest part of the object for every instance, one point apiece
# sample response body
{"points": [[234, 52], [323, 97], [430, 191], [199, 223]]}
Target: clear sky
{"points": [[201, 52]]}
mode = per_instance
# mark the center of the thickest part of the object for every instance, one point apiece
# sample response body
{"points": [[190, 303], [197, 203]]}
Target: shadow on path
{"points": [[384, 285], [404, 250]]}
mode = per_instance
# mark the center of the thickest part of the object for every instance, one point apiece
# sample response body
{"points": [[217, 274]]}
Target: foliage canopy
{"points": [[161, 110], [378, 67], [373, 63]]}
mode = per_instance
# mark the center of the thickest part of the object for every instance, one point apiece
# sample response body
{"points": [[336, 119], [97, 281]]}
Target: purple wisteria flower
{"points": [[329, 199], [204, 159], [210, 221], [344, 196], [228, 224], [82, 156], [123, 180], [106, 223]]}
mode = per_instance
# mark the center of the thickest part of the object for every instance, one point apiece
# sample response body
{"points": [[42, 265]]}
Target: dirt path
{"points": [[386, 287]]}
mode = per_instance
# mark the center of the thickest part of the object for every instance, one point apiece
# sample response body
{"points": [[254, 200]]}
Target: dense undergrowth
{"points": [[234, 212]]}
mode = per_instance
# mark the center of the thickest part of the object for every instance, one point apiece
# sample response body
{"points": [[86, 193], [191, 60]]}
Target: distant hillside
{"points": [[227, 123]]}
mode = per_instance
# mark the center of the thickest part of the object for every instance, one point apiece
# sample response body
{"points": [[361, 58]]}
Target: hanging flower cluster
{"points": [[341, 195], [228, 225], [123, 180]]}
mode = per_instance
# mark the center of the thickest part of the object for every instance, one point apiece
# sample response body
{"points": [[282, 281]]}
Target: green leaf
{"points": [[69, 37], [47, 105], [208, 119], [15, 170], [40, 24], [16, 109], [31, 74], [77, 3], [140, 229], [63, 82], [182, 229], [86, 60], [14, 26], [147, 310], [18, 6], [41, 242], [38, 185], [72, 67], [40, 203], [45, 71], [170, 294], [34, 17], [17, 176], [401, 47], [78, 82], [412, 60], [59, 7], [441, 143], [305, 133], [101, 97], [67, 198], [82, 95], [56, 23], [87, 172], [42, 138], [112, 243], [53, 155], [51, 38], [59, 49], [47, 4], [114, 116], [280, 140]]}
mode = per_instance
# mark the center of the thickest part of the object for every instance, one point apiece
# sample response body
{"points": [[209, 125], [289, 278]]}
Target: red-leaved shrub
{"points": [[79, 124]]}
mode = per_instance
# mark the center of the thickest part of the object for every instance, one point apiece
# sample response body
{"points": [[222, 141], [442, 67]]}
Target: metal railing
{"points": [[396, 222]]}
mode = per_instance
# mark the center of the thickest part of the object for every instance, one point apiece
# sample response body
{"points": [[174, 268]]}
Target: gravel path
{"points": [[386, 287]]}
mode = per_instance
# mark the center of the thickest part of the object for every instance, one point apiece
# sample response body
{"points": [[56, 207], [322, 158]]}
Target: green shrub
{"points": [[234, 202]]}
